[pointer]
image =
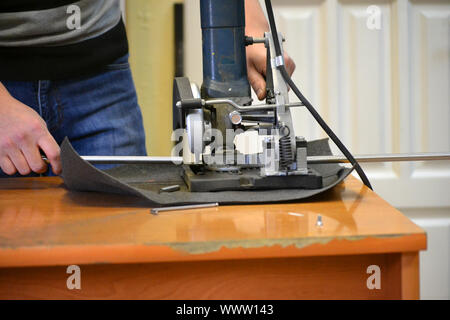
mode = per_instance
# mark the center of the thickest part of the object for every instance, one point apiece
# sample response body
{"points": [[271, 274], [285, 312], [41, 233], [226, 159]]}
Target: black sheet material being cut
{"points": [[145, 180]]}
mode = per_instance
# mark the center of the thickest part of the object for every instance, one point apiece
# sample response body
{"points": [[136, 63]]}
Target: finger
{"points": [[7, 166], [52, 152], [290, 64], [19, 161], [257, 82], [34, 158]]}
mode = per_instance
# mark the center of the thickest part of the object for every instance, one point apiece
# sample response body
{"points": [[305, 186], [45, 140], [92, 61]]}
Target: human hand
{"points": [[256, 25], [256, 68], [23, 133]]}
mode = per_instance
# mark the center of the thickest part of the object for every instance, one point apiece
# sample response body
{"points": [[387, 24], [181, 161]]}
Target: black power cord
{"points": [[307, 104]]}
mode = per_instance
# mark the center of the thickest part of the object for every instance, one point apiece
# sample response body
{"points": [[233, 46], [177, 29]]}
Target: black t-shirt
{"points": [[43, 40]]}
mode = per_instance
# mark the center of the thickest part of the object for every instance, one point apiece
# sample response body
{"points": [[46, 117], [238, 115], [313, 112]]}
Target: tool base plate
{"points": [[200, 180]]}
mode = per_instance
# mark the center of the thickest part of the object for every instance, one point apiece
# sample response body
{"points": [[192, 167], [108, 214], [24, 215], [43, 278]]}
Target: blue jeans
{"points": [[99, 114]]}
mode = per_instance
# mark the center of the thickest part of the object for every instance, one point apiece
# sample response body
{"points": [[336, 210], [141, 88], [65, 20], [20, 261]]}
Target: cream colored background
{"points": [[150, 34]]}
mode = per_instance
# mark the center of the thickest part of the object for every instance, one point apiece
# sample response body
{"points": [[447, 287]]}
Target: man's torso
{"points": [[57, 39]]}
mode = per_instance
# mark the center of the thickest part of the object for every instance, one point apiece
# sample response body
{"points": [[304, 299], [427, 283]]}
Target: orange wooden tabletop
{"points": [[43, 224]]}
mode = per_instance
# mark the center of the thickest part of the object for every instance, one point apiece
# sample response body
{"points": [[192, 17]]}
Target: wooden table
{"points": [[231, 252]]}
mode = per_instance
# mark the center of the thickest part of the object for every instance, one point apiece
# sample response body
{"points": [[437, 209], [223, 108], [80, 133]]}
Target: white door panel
{"points": [[364, 83], [382, 90], [306, 23], [429, 91]]}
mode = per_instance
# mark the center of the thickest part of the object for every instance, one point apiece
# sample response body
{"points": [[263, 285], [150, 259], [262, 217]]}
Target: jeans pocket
{"points": [[119, 64]]}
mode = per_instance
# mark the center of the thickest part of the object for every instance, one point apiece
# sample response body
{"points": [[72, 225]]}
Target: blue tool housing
{"points": [[224, 58]]}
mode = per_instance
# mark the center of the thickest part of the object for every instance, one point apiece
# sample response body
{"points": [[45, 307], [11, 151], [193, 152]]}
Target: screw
{"points": [[170, 188], [319, 222]]}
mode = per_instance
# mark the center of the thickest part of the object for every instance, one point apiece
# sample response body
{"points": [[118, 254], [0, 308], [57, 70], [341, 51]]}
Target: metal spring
{"points": [[286, 154]]}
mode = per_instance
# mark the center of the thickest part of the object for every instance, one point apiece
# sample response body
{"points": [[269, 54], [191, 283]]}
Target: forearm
{"points": [[256, 22]]}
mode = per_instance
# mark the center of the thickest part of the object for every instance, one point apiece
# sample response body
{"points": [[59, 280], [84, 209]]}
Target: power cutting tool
{"points": [[212, 118]]}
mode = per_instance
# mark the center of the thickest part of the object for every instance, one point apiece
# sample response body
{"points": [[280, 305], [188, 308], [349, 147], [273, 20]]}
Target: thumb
{"points": [[52, 151], [257, 82]]}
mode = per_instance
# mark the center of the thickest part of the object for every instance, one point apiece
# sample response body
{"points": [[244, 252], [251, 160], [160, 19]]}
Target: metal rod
{"points": [[382, 158], [131, 159], [259, 40], [187, 207], [249, 108], [128, 159], [310, 159], [173, 188]]}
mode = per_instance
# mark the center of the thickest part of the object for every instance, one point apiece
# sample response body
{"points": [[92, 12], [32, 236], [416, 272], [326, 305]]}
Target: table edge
{"points": [[156, 253]]}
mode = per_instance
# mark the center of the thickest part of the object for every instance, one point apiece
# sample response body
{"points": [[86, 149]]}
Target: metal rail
{"points": [[311, 159], [383, 158], [130, 159]]}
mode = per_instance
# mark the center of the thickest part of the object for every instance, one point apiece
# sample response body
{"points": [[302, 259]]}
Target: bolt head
{"points": [[235, 117]]}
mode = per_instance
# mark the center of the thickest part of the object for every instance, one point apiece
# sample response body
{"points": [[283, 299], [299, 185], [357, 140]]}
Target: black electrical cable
{"points": [[307, 104]]}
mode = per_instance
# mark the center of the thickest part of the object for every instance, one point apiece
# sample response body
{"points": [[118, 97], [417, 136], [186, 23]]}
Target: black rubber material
{"points": [[145, 181]]}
